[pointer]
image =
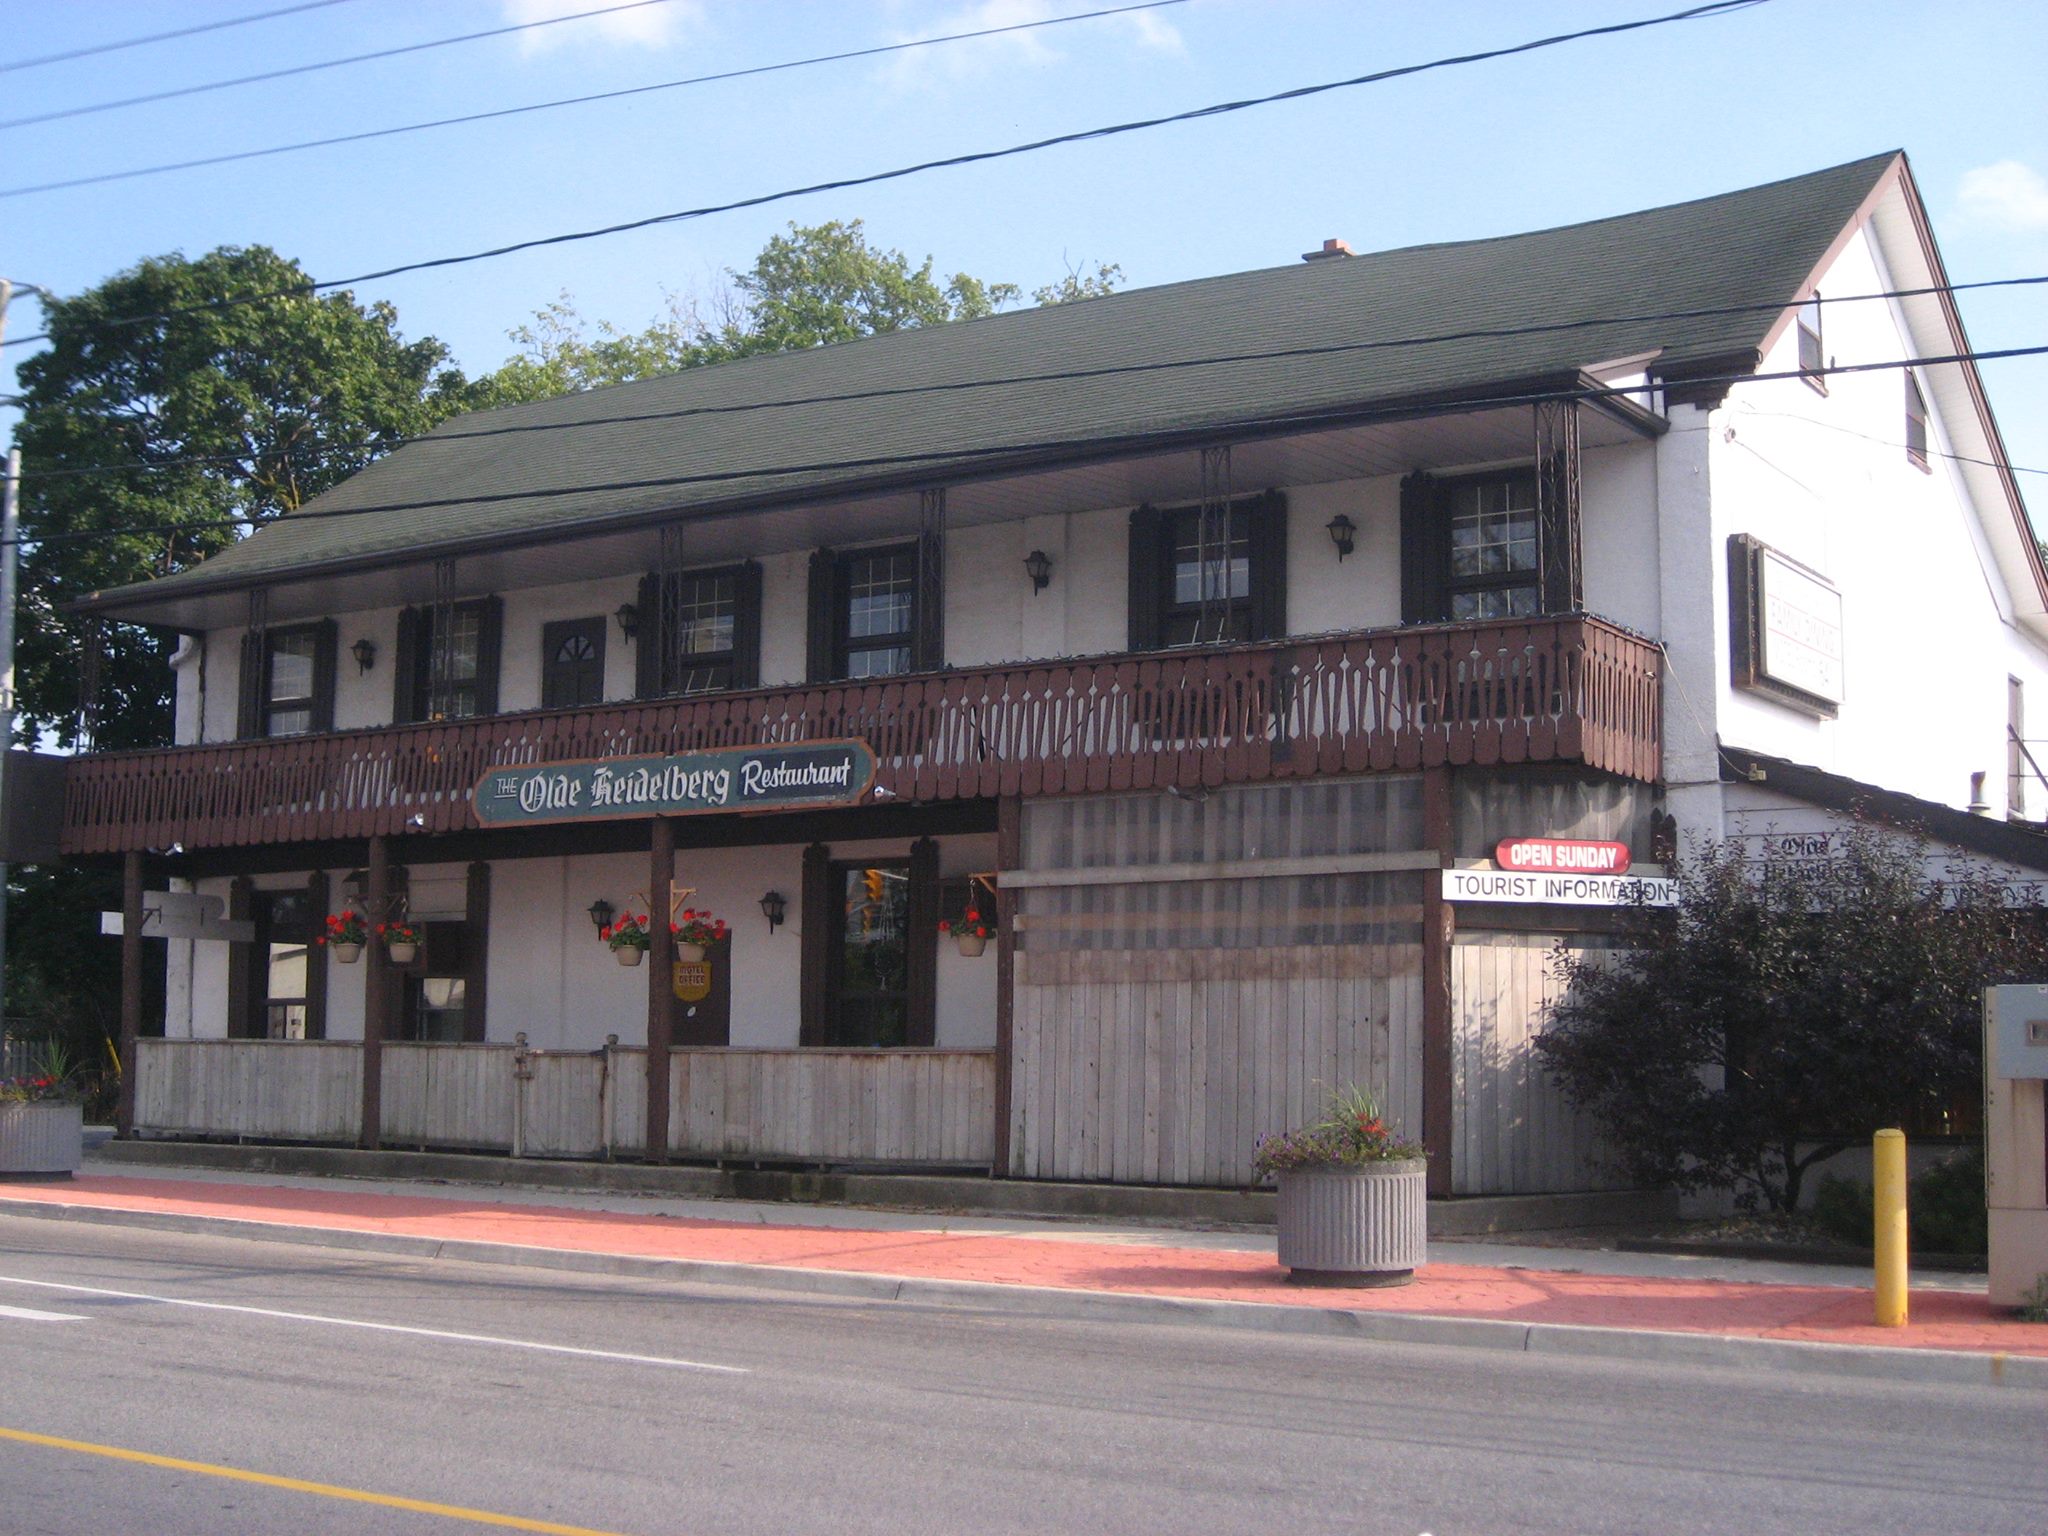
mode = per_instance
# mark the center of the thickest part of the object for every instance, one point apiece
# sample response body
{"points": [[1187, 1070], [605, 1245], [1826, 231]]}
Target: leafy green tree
{"points": [[814, 286], [211, 419], [1788, 1008]]}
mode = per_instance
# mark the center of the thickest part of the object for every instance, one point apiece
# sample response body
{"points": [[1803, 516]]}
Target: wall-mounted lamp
{"points": [[773, 907], [1342, 534], [365, 653], [629, 620], [600, 913], [1038, 566]]}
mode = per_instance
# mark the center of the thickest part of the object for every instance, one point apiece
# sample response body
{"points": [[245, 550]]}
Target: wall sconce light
{"points": [[600, 913], [1342, 531], [1038, 566], [365, 653], [773, 907], [629, 620]]}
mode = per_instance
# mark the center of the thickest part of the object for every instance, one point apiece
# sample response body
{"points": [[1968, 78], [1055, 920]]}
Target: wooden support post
{"points": [[131, 987], [376, 995], [661, 961], [1438, 923], [1009, 855]]}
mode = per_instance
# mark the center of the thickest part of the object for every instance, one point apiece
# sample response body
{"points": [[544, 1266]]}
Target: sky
{"points": [[1579, 131]]}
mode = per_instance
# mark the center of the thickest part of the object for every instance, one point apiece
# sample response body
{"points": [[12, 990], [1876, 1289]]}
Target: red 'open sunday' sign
{"points": [[1561, 854]]}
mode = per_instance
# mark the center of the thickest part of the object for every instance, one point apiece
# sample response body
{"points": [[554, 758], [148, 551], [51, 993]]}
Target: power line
{"points": [[1716, 8], [164, 37], [1301, 421], [576, 101], [307, 69], [1070, 375]]}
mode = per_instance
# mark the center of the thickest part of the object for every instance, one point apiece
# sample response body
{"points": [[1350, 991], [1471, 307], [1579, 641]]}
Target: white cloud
{"points": [[644, 26], [985, 56], [2008, 194]]}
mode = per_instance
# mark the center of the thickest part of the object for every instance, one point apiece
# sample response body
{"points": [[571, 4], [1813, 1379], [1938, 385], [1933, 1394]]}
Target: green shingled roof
{"points": [[1743, 247]]}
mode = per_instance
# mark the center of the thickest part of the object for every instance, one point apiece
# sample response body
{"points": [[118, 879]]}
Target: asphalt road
{"points": [[359, 1387]]}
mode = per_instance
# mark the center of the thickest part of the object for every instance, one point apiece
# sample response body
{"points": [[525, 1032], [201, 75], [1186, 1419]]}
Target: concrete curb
{"points": [[1855, 1361]]}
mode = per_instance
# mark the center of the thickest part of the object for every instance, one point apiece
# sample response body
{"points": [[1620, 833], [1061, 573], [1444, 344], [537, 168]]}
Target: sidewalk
{"points": [[1569, 1300]]}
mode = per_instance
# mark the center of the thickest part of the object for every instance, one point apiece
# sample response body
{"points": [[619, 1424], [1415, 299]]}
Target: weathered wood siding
{"points": [[1514, 1131], [863, 1106], [448, 1096], [1165, 1066], [282, 1090]]}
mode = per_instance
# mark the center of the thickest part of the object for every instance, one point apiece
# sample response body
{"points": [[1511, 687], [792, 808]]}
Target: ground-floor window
{"points": [[281, 991], [870, 954]]}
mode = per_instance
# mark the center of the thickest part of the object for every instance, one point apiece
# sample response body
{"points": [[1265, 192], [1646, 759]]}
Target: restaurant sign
{"points": [[800, 776]]}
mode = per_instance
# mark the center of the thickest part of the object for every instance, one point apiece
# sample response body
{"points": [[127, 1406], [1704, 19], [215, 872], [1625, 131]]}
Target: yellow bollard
{"points": [[1888, 1192]]}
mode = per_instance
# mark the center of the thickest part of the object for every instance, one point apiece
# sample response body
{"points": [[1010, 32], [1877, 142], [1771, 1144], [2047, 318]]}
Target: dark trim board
{"points": [[949, 819], [2025, 845]]}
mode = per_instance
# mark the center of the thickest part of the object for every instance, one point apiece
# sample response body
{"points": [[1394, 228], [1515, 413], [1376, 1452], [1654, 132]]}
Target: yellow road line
{"points": [[299, 1485]]}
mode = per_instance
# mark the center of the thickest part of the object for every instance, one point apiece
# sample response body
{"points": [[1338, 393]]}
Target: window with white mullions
{"points": [[705, 621], [1215, 581], [1812, 356], [289, 682], [877, 612], [1494, 542]]}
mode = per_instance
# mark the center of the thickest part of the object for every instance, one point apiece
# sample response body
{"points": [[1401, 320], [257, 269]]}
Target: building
{"points": [[1206, 641]]}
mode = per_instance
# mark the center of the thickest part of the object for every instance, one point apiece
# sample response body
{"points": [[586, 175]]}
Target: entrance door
{"points": [[572, 663], [869, 961], [278, 987]]}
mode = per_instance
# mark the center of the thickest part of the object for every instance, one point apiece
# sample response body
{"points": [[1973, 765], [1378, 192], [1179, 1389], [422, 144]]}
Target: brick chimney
{"points": [[1333, 250]]}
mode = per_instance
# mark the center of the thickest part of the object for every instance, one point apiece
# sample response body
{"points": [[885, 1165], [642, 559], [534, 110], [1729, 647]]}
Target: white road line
{"points": [[351, 1322], [31, 1315]]}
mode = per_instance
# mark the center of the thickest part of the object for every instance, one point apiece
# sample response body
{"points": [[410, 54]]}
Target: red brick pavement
{"points": [[1818, 1313]]}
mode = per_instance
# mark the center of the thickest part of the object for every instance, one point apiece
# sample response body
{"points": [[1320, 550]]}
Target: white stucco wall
{"points": [[1824, 477]]}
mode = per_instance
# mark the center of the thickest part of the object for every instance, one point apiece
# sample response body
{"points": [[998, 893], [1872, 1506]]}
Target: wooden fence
{"points": [[1566, 689], [272, 1090]]}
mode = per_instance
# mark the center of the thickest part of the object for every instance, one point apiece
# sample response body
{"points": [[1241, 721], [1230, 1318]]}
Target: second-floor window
{"points": [[448, 671], [699, 632], [287, 686], [1493, 564], [1226, 592], [876, 617]]}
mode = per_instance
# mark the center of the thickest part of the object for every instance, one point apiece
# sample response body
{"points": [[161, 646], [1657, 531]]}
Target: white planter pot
{"points": [[1356, 1225], [345, 954], [690, 952], [41, 1138], [402, 954], [970, 944], [628, 954]]}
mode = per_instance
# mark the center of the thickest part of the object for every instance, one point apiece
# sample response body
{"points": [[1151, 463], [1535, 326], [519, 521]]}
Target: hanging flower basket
{"points": [[401, 942], [629, 956], [970, 934], [344, 936], [628, 938], [697, 932], [1351, 1208]]}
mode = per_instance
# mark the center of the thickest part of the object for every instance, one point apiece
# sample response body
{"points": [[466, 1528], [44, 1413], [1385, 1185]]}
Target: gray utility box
{"points": [[2016, 1029]]}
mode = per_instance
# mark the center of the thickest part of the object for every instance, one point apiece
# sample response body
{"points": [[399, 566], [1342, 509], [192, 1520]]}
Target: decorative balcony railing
{"points": [[1567, 689]]}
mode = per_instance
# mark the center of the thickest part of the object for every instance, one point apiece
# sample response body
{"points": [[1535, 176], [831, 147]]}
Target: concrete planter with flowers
{"points": [[1352, 1197], [42, 1122]]}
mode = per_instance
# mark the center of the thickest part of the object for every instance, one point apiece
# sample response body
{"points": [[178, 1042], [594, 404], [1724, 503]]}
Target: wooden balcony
{"points": [[1569, 689]]}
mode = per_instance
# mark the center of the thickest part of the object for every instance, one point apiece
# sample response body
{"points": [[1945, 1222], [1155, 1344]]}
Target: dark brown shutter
{"points": [[928, 606], [326, 645], [821, 633], [241, 960], [490, 650], [250, 683], [1269, 566], [924, 943], [1558, 553], [316, 956], [405, 666], [816, 916], [476, 943], [1146, 578], [746, 626], [646, 645], [1425, 554]]}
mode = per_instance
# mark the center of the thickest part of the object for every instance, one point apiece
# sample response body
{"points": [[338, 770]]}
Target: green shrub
{"points": [[1944, 1207]]}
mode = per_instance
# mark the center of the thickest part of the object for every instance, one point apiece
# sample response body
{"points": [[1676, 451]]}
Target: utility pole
{"points": [[10, 531]]}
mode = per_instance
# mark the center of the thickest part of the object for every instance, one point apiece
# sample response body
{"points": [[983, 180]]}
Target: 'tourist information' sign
{"points": [[1562, 890], [795, 777]]}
